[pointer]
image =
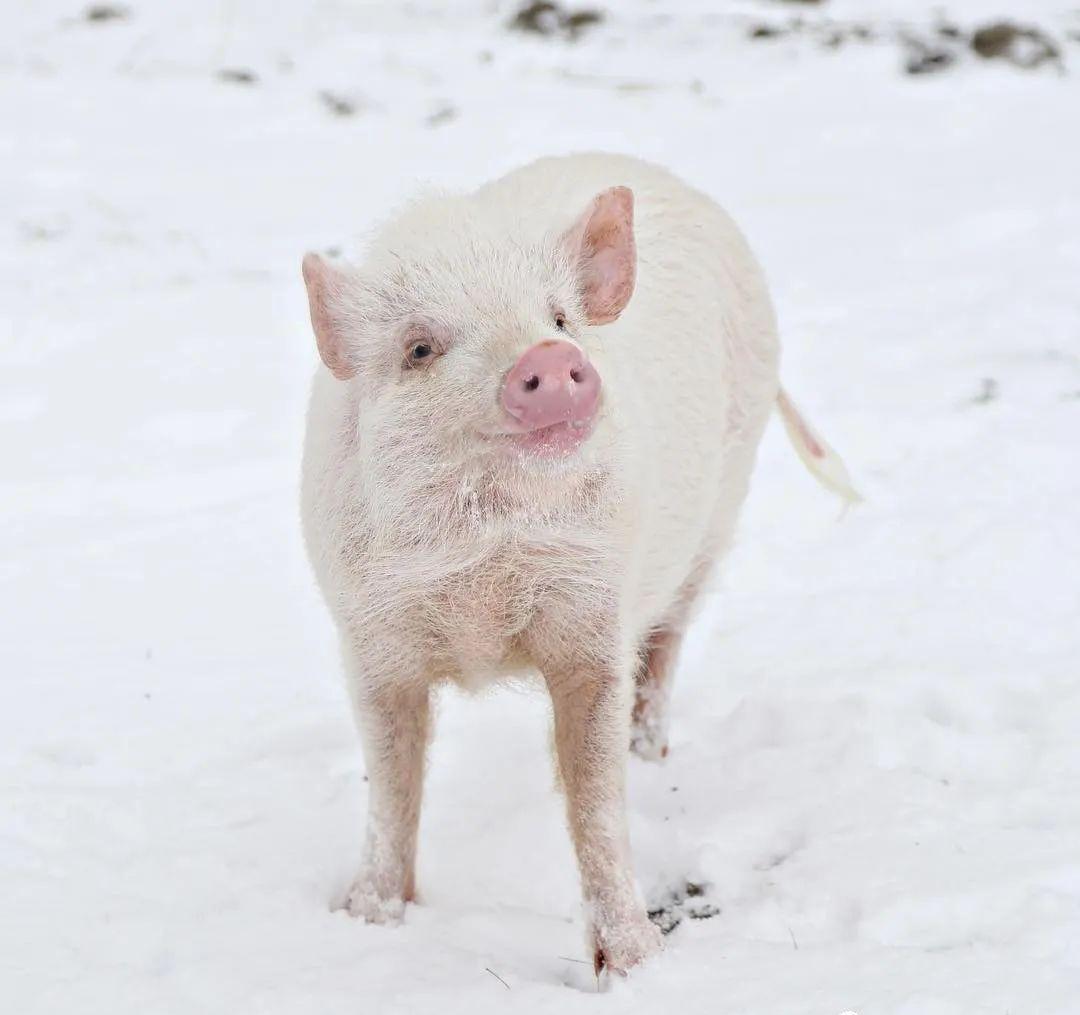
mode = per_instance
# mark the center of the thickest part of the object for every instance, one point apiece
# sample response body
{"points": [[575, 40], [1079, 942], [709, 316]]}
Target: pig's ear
{"points": [[325, 287], [601, 243]]}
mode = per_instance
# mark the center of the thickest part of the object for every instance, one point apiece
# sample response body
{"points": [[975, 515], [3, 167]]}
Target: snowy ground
{"points": [[876, 748]]}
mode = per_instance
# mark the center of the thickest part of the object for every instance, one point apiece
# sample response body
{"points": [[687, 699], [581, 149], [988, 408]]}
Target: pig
{"points": [[528, 441]]}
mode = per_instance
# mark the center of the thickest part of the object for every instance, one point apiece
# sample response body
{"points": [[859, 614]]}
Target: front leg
{"points": [[394, 720], [592, 720]]}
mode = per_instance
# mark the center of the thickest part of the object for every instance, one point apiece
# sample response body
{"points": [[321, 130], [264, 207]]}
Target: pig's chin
{"points": [[557, 442]]}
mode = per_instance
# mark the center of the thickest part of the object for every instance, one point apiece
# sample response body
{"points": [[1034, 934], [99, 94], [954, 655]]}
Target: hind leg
{"points": [[649, 732]]}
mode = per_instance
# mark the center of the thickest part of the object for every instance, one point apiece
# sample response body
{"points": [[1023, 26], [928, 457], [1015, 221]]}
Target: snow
{"points": [[875, 735]]}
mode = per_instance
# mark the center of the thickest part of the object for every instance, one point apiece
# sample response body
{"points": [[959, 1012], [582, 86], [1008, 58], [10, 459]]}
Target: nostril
{"points": [[577, 375], [531, 383]]}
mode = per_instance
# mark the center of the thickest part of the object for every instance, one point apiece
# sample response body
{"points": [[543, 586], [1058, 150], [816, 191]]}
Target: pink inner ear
{"points": [[321, 280], [602, 240]]}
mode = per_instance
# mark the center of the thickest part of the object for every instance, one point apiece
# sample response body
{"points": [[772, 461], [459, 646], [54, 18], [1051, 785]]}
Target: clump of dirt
{"points": [[929, 50], [338, 104], [687, 900], [445, 113], [238, 76], [924, 57], [988, 392], [825, 32], [1021, 45], [544, 17], [99, 13], [763, 31]]}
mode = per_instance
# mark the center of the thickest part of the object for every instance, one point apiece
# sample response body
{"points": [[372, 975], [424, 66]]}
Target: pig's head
{"points": [[465, 346]]}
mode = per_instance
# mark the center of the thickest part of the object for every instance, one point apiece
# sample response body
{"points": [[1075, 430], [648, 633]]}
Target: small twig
{"points": [[497, 977], [793, 941], [568, 959]]}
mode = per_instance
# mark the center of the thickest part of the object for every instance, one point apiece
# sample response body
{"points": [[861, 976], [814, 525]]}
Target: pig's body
{"points": [[443, 556], [691, 375]]}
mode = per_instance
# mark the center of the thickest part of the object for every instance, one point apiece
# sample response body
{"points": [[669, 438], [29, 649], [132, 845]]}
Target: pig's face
{"points": [[467, 350]]}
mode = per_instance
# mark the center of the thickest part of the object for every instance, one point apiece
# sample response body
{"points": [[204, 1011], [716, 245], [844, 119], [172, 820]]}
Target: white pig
{"points": [[527, 446]]}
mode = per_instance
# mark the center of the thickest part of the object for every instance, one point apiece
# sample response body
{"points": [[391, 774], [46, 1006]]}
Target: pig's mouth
{"points": [[559, 440]]}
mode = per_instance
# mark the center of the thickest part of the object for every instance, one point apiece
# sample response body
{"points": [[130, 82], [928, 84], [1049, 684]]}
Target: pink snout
{"points": [[553, 382]]}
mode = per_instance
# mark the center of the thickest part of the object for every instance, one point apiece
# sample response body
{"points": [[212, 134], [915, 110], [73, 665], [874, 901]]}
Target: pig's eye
{"points": [[419, 352], [422, 344], [560, 322]]}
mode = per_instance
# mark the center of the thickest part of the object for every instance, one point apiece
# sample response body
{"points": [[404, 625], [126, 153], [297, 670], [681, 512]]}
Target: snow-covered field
{"points": [[876, 751]]}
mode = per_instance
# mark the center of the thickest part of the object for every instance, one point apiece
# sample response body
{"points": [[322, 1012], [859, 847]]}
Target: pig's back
{"points": [[690, 368]]}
